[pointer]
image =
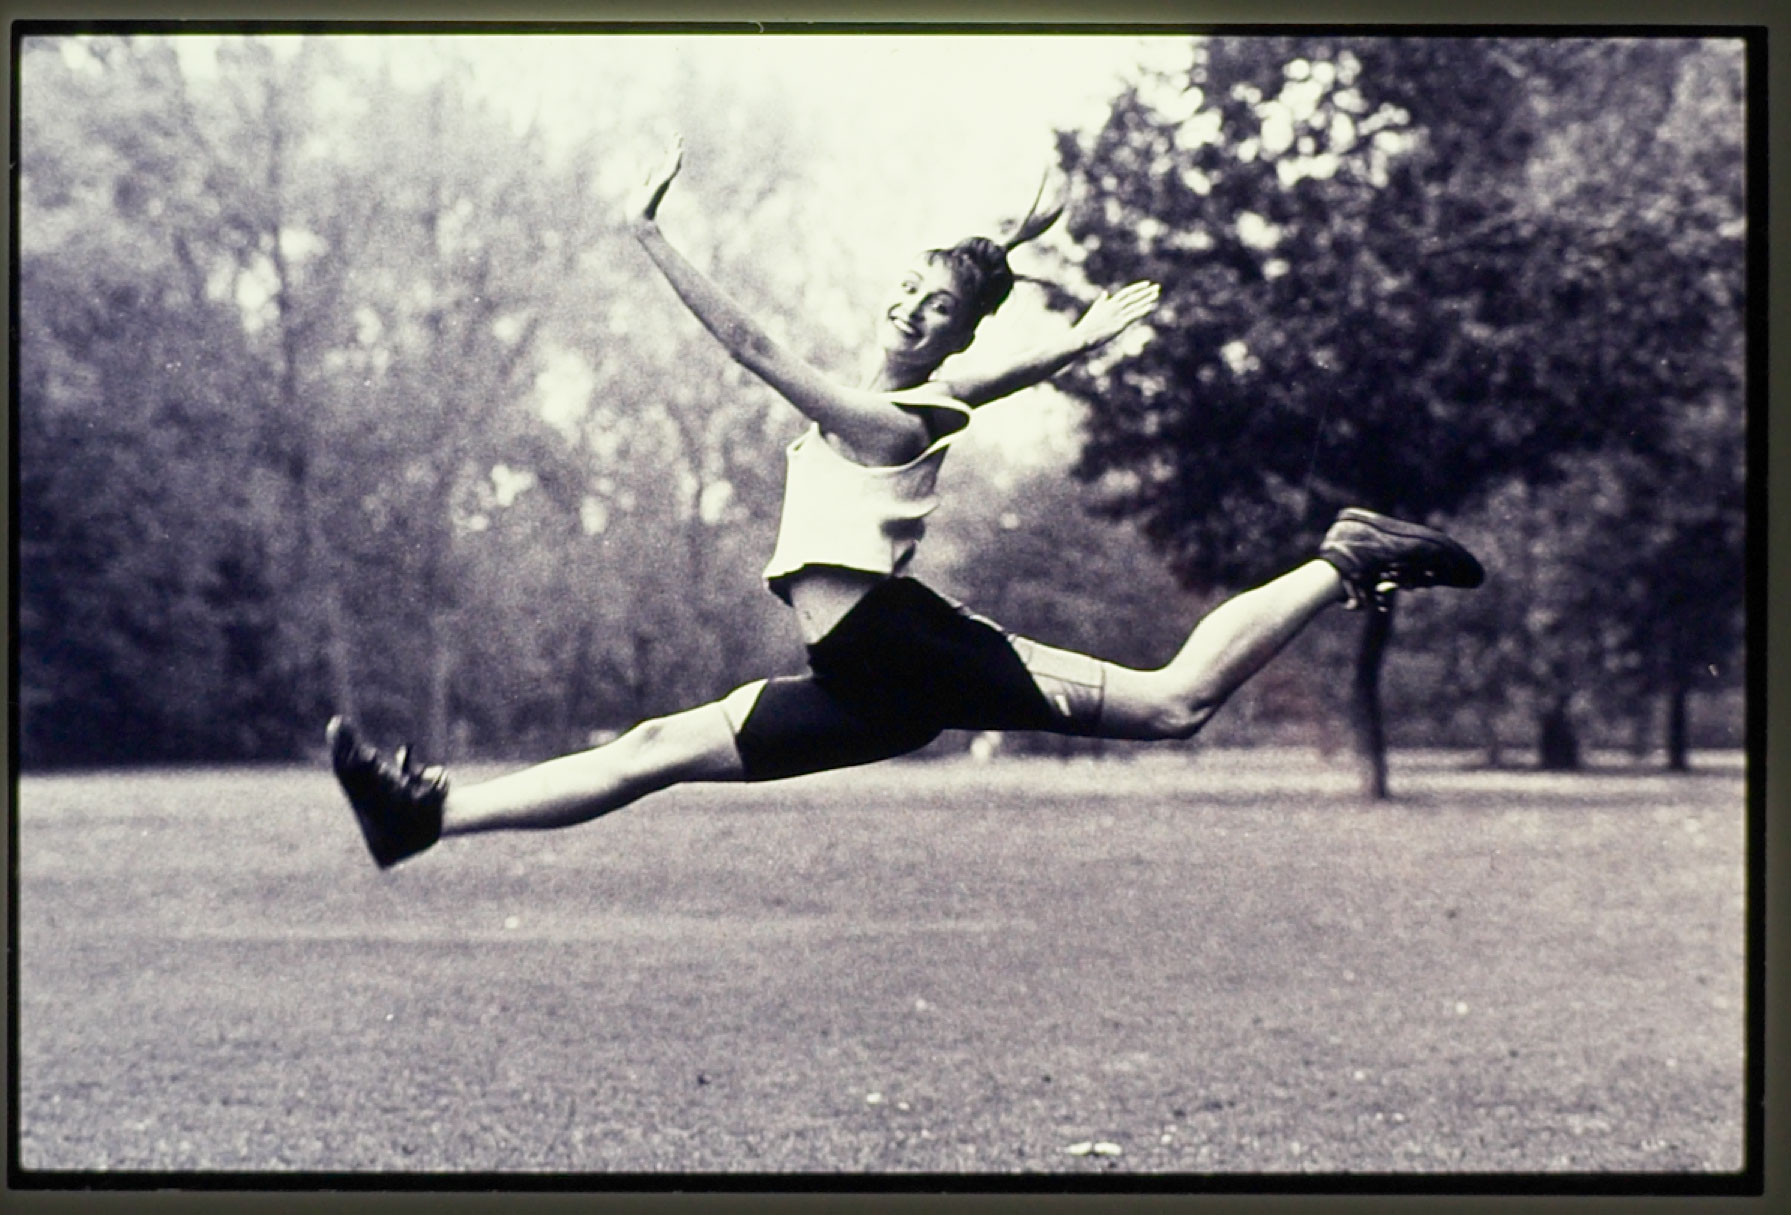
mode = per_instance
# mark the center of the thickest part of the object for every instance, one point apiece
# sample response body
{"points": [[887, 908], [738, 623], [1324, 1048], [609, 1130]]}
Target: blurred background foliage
{"points": [[340, 388]]}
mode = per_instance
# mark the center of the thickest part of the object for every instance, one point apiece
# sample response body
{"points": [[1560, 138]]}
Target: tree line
{"points": [[339, 389]]}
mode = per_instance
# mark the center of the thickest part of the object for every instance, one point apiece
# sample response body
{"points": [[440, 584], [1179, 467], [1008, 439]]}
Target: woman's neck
{"points": [[886, 376]]}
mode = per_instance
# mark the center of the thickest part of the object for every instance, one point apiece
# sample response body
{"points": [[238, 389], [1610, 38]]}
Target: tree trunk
{"points": [[1641, 727], [436, 724], [1489, 733], [296, 437], [1679, 729], [1558, 745], [1365, 704], [318, 568], [336, 652]]}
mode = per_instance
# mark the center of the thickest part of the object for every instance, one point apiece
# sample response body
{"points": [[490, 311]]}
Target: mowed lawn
{"points": [[1203, 962]]}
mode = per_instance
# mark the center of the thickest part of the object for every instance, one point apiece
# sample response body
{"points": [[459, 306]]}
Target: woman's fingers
{"points": [[1130, 303], [1139, 294], [1136, 301], [669, 164], [672, 160], [645, 204]]}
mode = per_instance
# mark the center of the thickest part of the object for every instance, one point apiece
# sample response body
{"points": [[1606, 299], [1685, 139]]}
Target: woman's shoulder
{"points": [[940, 412]]}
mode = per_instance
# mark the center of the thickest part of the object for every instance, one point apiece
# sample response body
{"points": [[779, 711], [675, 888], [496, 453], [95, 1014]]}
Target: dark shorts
{"points": [[903, 665]]}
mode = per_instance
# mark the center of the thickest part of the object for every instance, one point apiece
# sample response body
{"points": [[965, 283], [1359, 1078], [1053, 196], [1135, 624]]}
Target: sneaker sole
{"points": [[1471, 574], [343, 741]]}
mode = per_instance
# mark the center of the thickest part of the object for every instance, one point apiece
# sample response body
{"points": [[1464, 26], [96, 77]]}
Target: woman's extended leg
{"points": [[695, 745], [1364, 556], [1230, 644], [762, 731], [403, 807]]}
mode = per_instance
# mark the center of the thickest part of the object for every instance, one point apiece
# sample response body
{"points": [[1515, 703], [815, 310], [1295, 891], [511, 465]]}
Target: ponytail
{"points": [[1036, 221], [982, 263]]}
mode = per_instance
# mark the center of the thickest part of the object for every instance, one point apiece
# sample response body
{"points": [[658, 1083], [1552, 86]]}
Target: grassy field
{"points": [[1204, 963]]}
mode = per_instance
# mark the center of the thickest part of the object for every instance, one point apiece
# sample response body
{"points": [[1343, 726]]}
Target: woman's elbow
{"points": [[750, 348]]}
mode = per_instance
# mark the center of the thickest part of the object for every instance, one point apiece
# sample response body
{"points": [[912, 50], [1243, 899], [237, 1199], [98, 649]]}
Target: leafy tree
{"points": [[145, 614], [1370, 295], [429, 376], [1664, 201], [281, 407], [1624, 565]]}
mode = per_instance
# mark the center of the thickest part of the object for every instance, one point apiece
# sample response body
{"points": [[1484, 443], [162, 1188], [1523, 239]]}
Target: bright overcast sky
{"points": [[981, 109], [978, 111], [924, 85]]}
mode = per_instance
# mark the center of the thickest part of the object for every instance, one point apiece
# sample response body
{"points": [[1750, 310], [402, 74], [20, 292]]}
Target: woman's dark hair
{"points": [[980, 264]]}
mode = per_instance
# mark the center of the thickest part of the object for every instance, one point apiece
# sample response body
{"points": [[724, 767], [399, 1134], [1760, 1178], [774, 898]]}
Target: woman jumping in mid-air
{"points": [[891, 663]]}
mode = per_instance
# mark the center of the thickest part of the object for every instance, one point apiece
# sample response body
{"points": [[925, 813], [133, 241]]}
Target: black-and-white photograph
{"points": [[672, 609]]}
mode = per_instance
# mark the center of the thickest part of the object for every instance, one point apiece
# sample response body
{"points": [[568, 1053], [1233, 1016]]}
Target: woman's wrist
{"points": [[1082, 344]]}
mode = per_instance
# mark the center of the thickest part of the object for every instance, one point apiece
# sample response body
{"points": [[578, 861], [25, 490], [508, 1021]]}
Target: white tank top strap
{"points": [[951, 418]]}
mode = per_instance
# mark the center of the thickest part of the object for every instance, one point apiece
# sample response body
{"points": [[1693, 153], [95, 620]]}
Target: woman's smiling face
{"points": [[925, 319]]}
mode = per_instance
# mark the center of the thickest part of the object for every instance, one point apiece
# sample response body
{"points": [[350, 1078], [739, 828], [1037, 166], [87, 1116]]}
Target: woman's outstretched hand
{"points": [[643, 204], [1110, 315]]}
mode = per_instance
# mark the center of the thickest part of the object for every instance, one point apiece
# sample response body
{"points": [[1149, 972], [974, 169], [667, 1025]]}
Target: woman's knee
{"points": [[1150, 707], [1176, 719], [697, 744]]}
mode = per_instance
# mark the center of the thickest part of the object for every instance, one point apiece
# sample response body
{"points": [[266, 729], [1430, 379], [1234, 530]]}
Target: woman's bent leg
{"points": [[1230, 644], [695, 745]]}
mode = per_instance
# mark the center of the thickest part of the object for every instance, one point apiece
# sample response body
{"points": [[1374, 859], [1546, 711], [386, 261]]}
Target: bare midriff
{"points": [[823, 594]]}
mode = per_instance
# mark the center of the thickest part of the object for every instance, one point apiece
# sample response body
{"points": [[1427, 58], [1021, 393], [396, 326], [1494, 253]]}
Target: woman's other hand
{"points": [[643, 205], [1111, 314]]}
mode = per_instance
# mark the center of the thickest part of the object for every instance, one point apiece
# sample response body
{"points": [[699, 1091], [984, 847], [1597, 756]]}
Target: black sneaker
{"points": [[1377, 555], [399, 805]]}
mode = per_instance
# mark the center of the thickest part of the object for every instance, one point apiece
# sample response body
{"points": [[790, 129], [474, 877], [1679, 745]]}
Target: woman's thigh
{"points": [[691, 745], [1091, 697], [795, 725]]}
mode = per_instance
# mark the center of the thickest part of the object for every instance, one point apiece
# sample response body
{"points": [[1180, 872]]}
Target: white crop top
{"points": [[863, 517]]}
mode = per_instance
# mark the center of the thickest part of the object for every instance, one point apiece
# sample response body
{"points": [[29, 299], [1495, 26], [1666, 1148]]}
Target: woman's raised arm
{"points": [[869, 422], [1106, 319]]}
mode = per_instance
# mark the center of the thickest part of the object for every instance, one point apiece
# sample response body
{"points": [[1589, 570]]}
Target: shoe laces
{"points": [[1378, 597], [415, 777]]}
